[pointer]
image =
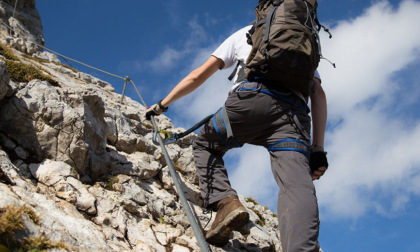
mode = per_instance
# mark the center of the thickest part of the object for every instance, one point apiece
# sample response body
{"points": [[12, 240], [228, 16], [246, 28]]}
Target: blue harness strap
{"points": [[223, 129], [290, 145], [301, 106]]}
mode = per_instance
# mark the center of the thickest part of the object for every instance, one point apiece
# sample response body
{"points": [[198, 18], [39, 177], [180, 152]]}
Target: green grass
{"points": [[109, 185], [252, 200], [261, 220], [12, 220], [39, 244], [23, 72], [47, 61], [7, 53], [161, 220]]}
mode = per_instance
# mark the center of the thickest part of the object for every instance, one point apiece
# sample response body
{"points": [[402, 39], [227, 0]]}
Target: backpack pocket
{"points": [[290, 49]]}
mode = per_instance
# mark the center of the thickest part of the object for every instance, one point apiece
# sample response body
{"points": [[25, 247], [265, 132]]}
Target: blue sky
{"points": [[370, 198]]}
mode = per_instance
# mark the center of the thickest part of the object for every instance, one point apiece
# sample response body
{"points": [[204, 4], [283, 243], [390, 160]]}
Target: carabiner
{"points": [[167, 139]]}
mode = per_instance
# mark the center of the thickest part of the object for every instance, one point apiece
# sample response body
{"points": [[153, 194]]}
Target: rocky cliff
{"points": [[21, 25], [79, 170]]}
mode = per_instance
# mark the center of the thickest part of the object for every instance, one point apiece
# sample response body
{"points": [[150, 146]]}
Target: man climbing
{"points": [[264, 114]]}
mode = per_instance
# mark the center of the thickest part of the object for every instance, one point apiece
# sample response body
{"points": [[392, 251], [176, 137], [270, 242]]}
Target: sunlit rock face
{"points": [[21, 25]]}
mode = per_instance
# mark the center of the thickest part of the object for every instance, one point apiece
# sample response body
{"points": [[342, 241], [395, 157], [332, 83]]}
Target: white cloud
{"points": [[172, 9], [197, 33], [368, 51], [374, 160], [171, 56], [166, 60]]}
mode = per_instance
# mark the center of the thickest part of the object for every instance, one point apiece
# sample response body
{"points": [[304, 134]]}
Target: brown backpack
{"points": [[285, 43]]}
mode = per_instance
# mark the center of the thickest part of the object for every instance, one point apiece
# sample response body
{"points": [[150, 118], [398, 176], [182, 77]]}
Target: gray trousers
{"points": [[260, 119]]}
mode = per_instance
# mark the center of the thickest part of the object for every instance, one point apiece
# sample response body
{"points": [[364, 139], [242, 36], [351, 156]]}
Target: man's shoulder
{"points": [[243, 30]]}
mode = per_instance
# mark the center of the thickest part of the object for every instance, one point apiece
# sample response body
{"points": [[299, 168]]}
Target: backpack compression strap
{"points": [[269, 19]]}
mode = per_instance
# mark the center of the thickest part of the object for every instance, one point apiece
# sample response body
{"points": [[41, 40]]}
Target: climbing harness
{"points": [[290, 145], [223, 129], [285, 144], [221, 124], [278, 95]]}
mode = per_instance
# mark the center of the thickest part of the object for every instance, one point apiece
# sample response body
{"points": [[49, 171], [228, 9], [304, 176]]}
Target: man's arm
{"points": [[193, 80], [319, 112], [319, 120]]}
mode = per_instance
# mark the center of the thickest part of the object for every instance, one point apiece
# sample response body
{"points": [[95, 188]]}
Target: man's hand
{"points": [[317, 174], [318, 162], [155, 110]]}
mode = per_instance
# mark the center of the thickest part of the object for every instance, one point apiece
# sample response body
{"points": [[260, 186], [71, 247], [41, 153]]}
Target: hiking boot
{"points": [[231, 215]]}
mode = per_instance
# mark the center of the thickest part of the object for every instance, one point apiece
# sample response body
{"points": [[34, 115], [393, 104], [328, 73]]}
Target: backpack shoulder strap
{"points": [[232, 75], [313, 3]]}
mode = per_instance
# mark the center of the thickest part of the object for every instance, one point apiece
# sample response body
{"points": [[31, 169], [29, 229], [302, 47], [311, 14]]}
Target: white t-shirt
{"points": [[236, 48], [233, 49]]}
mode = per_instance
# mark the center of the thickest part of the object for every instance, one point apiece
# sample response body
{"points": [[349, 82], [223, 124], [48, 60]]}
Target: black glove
{"points": [[318, 158], [155, 110]]}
